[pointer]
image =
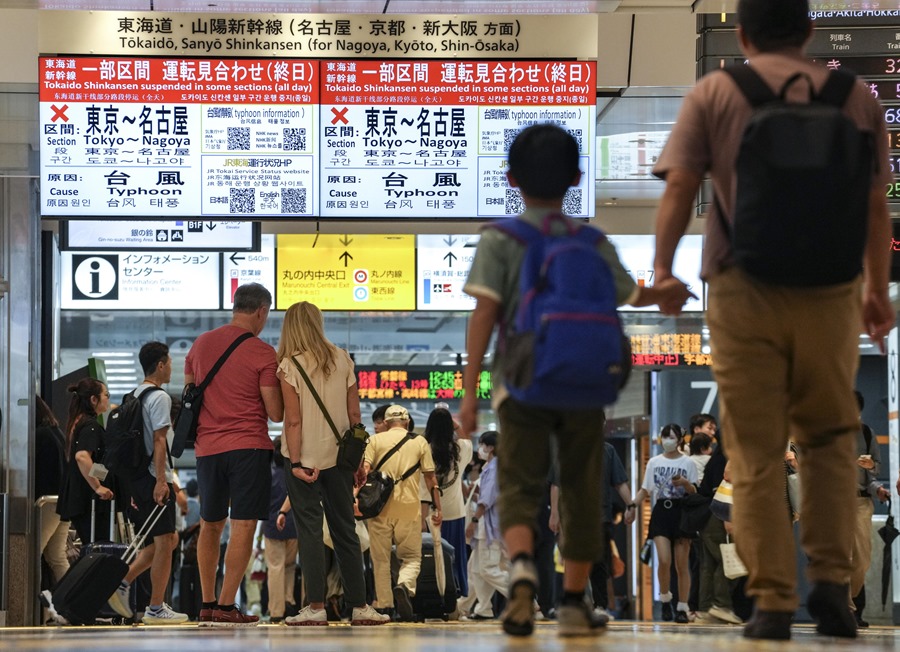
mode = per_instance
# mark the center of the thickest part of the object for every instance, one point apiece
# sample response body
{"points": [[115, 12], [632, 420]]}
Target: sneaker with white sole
{"points": [[367, 615], [119, 600], [165, 615], [725, 614], [580, 620], [308, 617], [518, 617]]}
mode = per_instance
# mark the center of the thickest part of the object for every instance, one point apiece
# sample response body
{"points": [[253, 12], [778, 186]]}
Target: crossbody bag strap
{"points": [[316, 396], [409, 473], [215, 369], [388, 455]]}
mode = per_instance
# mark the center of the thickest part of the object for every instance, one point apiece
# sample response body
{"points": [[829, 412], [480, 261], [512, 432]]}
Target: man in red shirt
{"points": [[233, 448]]}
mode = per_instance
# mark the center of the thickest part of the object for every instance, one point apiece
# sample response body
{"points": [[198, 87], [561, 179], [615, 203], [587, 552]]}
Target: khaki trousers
{"points": [[861, 555], [785, 360], [407, 536], [281, 563]]}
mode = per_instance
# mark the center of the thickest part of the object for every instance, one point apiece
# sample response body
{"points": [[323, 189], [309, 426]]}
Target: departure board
{"points": [[866, 47]]}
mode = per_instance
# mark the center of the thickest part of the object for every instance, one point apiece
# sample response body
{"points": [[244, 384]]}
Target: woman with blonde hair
{"points": [[309, 365], [84, 448]]}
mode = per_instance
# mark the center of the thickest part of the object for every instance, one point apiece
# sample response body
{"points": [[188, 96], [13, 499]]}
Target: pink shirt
{"points": [[708, 133], [233, 416]]}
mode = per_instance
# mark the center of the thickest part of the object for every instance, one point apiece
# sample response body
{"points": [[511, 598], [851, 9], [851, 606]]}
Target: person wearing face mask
{"points": [[667, 479], [487, 564]]}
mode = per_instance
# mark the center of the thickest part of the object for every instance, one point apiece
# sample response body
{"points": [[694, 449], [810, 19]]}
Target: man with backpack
{"points": [[561, 380], [796, 259], [152, 486]]}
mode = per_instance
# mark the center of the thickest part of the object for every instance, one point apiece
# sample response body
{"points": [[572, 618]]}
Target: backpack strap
{"points": [[519, 230], [837, 88], [754, 88]]}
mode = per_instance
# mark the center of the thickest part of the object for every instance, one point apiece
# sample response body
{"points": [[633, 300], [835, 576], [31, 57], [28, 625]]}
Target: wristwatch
{"points": [[284, 513], [474, 519], [630, 506], [296, 465]]}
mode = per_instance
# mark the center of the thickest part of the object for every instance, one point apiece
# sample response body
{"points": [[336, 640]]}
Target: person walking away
{"points": [[400, 522], [451, 456], [774, 352], [543, 164], [233, 448]]}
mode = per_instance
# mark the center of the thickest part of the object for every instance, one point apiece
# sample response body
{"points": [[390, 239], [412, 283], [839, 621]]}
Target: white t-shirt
{"points": [[659, 473], [453, 506]]}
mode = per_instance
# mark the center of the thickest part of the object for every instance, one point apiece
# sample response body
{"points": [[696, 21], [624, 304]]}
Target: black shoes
{"points": [[403, 604], [769, 625], [667, 614], [860, 623], [827, 604], [681, 616]]}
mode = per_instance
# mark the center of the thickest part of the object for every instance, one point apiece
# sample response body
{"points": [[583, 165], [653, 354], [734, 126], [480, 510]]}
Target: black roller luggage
{"points": [[429, 602], [82, 593]]}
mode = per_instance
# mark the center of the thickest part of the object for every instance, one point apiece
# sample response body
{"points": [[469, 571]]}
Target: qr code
{"points": [[239, 138], [242, 200], [294, 139], [509, 135], [573, 202], [577, 135], [293, 200], [513, 204]]}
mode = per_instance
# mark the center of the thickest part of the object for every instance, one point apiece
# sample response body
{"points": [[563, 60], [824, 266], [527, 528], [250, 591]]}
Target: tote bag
{"points": [[732, 565]]}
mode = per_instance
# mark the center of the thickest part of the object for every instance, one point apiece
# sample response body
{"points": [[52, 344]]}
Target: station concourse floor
{"points": [[621, 636]]}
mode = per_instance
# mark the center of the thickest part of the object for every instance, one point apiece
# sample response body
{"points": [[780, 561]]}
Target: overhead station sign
{"points": [[442, 267], [191, 235], [346, 272], [178, 137]]}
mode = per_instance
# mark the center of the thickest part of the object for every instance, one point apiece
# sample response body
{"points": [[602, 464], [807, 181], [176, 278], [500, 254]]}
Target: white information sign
{"points": [[242, 267], [442, 266], [141, 280], [193, 235]]}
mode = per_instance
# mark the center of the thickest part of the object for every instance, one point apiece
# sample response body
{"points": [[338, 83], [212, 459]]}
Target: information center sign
{"points": [[346, 272], [178, 137]]}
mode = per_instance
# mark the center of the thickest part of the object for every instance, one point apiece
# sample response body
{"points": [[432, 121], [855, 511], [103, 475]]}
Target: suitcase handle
{"points": [[132, 550]]}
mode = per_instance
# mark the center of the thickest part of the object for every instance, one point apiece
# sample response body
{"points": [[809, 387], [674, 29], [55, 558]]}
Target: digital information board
{"points": [[293, 138]]}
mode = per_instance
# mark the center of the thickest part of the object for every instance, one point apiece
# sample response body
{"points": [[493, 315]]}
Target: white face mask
{"points": [[669, 444], [483, 452]]}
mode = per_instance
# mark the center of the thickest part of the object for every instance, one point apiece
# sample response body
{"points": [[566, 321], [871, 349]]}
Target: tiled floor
{"points": [[438, 636]]}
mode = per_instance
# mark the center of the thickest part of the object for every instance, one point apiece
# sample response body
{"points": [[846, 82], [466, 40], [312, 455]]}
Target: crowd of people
{"points": [[781, 348]]}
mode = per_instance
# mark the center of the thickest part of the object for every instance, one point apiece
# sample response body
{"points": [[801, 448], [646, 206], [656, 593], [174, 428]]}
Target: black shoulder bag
{"points": [[377, 490], [191, 400], [352, 446]]}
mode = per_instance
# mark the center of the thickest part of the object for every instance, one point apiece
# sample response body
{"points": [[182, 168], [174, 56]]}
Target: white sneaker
{"points": [[119, 600], [600, 612], [367, 615], [725, 614], [165, 615], [308, 616]]}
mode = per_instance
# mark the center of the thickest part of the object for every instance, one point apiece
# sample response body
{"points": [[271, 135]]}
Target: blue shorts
{"points": [[241, 480]]}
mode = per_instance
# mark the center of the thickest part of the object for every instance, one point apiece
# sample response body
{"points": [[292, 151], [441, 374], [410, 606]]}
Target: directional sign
{"points": [[180, 235], [346, 272], [442, 266], [146, 280], [241, 267]]}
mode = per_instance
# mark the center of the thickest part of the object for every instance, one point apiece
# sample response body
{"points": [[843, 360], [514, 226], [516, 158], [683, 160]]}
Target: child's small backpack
{"points": [[566, 348]]}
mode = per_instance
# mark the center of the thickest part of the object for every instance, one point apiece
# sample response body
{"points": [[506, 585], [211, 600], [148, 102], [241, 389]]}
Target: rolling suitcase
{"points": [[429, 601], [82, 593]]}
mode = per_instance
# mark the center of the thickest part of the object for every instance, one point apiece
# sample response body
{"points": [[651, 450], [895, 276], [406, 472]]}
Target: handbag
{"points": [[722, 501], [185, 429], [647, 551], [352, 446], [732, 565], [378, 487], [695, 513]]}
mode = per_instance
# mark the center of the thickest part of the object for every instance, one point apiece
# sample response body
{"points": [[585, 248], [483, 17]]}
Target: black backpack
{"points": [[804, 173], [126, 455]]}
